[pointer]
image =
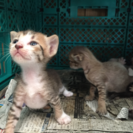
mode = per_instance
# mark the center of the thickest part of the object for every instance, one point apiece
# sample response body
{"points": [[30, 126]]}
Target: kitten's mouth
{"points": [[19, 54]]}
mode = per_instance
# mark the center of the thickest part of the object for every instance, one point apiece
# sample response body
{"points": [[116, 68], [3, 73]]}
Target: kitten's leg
{"points": [[91, 96], [60, 115], [66, 92], [14, 112], [101, 100]]}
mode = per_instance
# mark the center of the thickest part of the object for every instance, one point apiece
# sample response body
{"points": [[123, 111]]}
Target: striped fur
{"points": [[15, 110], [37, 86]]}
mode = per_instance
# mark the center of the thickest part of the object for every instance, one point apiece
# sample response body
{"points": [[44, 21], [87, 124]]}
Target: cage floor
{"points": [[84, 119], [77, 83]]}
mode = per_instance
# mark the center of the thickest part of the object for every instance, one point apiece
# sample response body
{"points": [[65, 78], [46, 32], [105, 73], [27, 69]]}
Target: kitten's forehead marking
{"points": [[28, 32], [32, 37], [25, 38], [28, 36]]}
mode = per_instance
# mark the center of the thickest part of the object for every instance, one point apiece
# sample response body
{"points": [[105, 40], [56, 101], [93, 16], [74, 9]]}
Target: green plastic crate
{"points": [[107, 36], [101, 52], [14, 15], [5, 60]]}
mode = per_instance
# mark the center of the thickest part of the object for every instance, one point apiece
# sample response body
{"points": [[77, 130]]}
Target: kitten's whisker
{"points": [[4, 53], [34, 27], [6, 44], [4, 56], [18, 28], [4, 48], [41, 27], [7, 57]]}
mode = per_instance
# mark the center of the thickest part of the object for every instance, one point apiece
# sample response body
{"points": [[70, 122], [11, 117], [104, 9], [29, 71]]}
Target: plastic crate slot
{"points": [[63, 3], [131, 2], [24, 5], [0, 69], [129, 53], [53, 61], [13, 4], [50, 31], [50, 20], [50, 3], [3, 21], [124, 3], [2, 49], [2, 3], [130, 39], [4, 68], [92, 12]]}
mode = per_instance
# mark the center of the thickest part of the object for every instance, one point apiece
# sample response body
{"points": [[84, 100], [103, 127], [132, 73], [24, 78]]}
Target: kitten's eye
{"points": [[33, 43], [15, 41]]}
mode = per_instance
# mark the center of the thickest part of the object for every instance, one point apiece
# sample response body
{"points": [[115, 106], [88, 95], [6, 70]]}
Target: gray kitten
{"points": [[108, 76]]}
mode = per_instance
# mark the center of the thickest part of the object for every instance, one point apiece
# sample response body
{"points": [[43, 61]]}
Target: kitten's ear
{"points": [[13, 34], [53, 42], [78, 57]]}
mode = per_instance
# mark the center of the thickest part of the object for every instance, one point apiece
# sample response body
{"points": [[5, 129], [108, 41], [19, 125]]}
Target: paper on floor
{"points": [[31, 122], [123, 114], [92, 125], [6, 104], [36, 122]]}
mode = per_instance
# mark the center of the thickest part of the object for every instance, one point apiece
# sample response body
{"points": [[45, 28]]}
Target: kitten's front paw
{"points": [[64, 119], [89, 98], [67, 93], [102, 110]]}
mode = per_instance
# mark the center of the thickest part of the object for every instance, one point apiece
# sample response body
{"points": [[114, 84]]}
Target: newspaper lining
{"points": [[30, 122], [123, 114], [92, 125], [6, 104], [36, 122]]}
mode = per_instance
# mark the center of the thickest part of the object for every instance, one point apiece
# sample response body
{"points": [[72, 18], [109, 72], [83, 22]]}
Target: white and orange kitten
{"points": [[36, 86]]}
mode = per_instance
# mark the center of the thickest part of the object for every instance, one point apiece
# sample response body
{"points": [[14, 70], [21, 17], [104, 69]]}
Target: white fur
{"points": [[64, 119], [34, 88], [65, 92], [62, 89]]}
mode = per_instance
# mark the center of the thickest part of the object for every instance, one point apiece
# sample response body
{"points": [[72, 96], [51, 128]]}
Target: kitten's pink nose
{"points": [[18, 46]]}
